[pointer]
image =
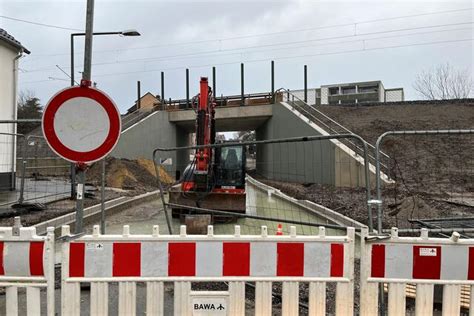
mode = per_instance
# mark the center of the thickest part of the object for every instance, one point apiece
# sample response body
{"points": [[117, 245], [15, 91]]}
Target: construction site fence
{"points": [[148, 268], [35, 173], [311, 159], [434, 166]]}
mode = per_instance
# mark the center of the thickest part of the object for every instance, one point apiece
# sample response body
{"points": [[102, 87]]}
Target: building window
{"points": [[368, 89], [334, 91], [348, 90]]}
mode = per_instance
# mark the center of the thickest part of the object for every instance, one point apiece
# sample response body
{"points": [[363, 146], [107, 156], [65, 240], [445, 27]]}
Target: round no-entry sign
{"points": [[81, 124]]}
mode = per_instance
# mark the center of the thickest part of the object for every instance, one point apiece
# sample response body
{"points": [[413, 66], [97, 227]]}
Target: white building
{"points": [[354, 92], [10, 52]]}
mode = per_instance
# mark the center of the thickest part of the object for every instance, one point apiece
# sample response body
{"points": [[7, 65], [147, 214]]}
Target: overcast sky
{"points": [[340, 41]]}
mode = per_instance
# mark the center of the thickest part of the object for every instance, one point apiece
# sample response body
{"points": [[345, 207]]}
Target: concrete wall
{"points": [[296, 162], [326, 162], [139, 140]]}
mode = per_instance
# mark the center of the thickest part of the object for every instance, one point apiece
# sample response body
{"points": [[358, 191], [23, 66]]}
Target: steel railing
{"points": [[331, 126]]}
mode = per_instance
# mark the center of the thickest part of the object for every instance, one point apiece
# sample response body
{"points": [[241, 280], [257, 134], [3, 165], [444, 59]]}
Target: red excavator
{"points": [[215, 178]]}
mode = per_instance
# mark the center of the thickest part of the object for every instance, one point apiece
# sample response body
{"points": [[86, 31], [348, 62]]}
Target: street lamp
{"points": [[122, 33], [73, 170]]}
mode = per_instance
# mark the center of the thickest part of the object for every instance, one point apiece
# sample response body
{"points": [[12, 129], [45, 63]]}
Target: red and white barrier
{"points": [[208, 258], [22, 259], [415, 260], [425, 261], [236, 259], [27, 261]]}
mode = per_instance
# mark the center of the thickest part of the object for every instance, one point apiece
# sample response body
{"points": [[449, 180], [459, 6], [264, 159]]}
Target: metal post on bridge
{"points": [[242, 84], [187, 88], [305, 83], [163, 87], [214, 82], [273, 80], [139, 95]]}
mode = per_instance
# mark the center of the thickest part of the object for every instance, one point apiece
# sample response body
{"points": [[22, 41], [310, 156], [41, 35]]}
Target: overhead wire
{"points": [[174, 56], [41, 24], [275, 33], [269, 59]]}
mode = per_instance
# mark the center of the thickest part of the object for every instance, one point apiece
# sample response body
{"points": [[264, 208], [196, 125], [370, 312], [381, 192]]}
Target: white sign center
{"points": [[81, 124]]}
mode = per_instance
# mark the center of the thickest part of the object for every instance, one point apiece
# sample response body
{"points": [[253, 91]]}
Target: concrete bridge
{"points": [[332, 162]]}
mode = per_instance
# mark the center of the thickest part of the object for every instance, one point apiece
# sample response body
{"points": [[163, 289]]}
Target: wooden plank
{"points": [[33, 303], [12, 300], [317, 298], [127, 299], [182, 302], [99, 298], [451, 299], [424, 299], [290, 298], [263, 298], [154, 298], [236, 298], [396, 299]]}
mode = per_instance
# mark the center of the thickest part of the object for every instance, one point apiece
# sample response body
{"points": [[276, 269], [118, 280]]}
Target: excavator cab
{"points": [[230, 167]]}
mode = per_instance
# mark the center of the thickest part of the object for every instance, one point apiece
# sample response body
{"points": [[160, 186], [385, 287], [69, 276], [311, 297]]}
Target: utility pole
{"points": [[86, 81]]}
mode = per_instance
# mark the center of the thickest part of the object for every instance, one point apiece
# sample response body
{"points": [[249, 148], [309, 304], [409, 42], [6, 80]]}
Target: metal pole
{"points": [[214, 81], [163, 87], [102, 199], [139, 94], [305, 83], [242, 83], [86, 77], [72, 169], [72, 60], [273, 81], [187, 88]]}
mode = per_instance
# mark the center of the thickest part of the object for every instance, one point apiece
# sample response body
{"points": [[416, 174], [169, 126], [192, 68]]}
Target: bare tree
{"points": [[444, 82]]}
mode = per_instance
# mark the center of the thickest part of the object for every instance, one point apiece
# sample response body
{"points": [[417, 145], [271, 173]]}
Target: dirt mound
{"points": [[137, 175]]}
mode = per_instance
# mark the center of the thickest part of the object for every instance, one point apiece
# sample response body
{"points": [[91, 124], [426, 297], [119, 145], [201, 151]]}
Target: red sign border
{"points": [[76, 156]]}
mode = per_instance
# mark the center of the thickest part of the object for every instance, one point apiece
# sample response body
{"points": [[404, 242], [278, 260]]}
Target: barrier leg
{"points": [[396, 299], [424, 299], [317, 298], [290, 293], [236, 298], [263, 298], [12, 300], [71, 299], [471, 301], [127, 299], [182, 291], [154, 298], [368, 290], [451, 299], [33, 303], [99, 298]]}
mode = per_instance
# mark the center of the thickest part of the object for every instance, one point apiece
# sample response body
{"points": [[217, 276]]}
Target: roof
{"points": [[351, 83], [133, 108], [4, 36]]}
